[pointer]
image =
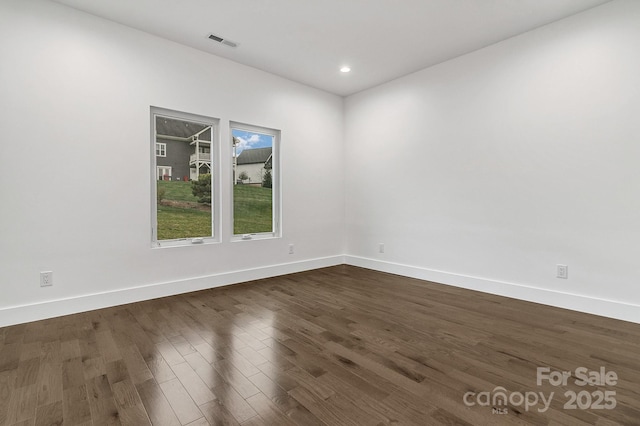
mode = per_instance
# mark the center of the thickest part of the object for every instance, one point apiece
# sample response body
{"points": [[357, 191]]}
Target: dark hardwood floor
{"points": [[336, 346]]}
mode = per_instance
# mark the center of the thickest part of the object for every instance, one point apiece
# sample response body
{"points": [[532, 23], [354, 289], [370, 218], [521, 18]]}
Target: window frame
{"points": [[276, 196], [163, 167], [161, 147], [215, 178]]}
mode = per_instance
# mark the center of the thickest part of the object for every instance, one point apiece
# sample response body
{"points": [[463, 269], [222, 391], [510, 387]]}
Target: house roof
{"points": [[166, 126], [253, 156]]}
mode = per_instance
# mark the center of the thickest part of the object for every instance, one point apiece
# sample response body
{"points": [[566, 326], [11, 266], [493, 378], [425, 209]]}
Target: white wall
{"points": [[75, 93], [488, 170]]}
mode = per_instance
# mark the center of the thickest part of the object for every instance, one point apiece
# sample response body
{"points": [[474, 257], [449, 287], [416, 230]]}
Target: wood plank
{"points": [[27, 372], [159, 368], [239, 362], [169, 353], [268, 411], [117, 371], [235, 378], [180, 401], [9, 356], [204, 370], [69, 349], [49, 414], [72, 373], [197, 389], [217, 414], [22, 404], [156, 404], [321, 410], [311, 383], [49, 382], [101, 403], [234, 403], [75, 408], [93, 367], [7, 378], [107, 346], [15, 334], [130, 407], [200, 422], [136, 366], [182, 345]]}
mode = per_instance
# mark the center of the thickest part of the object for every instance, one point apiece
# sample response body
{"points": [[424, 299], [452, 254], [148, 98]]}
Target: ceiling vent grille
{"points": [[222, 40]]}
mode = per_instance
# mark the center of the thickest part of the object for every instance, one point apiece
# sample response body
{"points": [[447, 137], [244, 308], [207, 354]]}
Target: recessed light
{"points": [[345, 69]]}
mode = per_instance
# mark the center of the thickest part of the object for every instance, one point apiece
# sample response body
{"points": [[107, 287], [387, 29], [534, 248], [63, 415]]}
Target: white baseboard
{"points": [[54, 308], [574, 302]]}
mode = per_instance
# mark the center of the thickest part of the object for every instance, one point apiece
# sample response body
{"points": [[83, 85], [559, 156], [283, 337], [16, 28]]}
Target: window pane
{"points": [[254, 175], [161, 149], [183, 177]]}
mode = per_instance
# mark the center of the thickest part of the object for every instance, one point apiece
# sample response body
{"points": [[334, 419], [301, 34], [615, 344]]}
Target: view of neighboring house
{"points": [[183, 149], [254, 163]]}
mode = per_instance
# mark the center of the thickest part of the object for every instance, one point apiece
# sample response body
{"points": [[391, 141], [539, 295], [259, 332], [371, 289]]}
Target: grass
{"points": [[176, 190], [252, 209], [252, 212], [174, 222]]}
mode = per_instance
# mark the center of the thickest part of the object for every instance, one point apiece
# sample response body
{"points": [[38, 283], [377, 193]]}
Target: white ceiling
{"points": [[308, 40]]}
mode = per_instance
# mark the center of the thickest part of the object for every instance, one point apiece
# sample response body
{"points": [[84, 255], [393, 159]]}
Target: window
{"points": [[161, 149], [256, 177], [185, 170], [164, 172]]}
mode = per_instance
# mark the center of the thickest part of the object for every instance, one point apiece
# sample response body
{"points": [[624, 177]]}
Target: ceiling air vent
{"points": [[222, 40]]}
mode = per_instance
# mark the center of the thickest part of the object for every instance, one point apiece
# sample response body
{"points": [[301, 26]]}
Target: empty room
{"points": [[339, 212]]}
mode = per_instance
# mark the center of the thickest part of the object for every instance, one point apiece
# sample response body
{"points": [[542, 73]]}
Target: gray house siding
{"points": [[177, 157]]}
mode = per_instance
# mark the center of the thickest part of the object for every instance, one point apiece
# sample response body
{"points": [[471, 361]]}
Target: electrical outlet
{"points": [[290, 248], [46, 279], [381, 248], [563, 271]]}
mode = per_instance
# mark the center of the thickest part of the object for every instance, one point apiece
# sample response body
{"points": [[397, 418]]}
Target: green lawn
{"points": [[176, 190], [176, 222], [252, 207], [252, 210]]}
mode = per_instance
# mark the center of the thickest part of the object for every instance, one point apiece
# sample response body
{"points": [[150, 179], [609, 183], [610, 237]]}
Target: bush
{"points": [[243, 175], [266, 179], [160, 193], [201, 188]]}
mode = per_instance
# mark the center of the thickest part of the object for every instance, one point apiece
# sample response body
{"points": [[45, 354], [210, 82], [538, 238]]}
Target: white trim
{"points": [[158, 168], [161, 149], [185, 242], [251, 237], [54, 308], [216, 196], [575, 302], [276, 182]]}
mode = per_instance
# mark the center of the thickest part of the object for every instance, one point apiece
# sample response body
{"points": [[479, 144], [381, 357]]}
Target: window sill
{"points": [[184, 242], [254, 237]]}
